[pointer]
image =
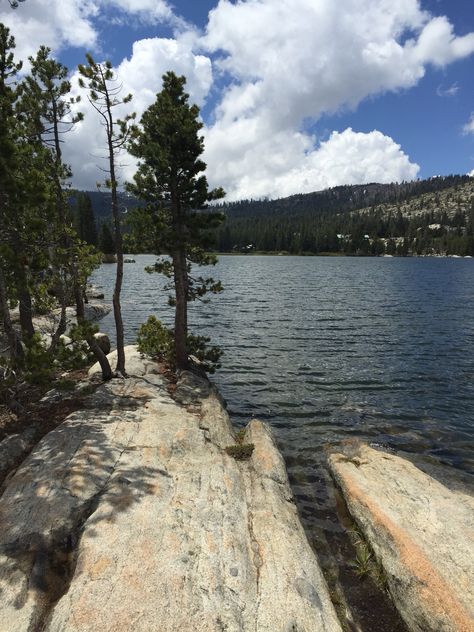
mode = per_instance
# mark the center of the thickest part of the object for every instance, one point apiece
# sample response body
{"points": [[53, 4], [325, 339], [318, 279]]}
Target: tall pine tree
{"points": [[171, 181], [105, 97]]}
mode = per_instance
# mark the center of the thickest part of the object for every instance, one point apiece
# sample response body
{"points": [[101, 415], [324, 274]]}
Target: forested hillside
{"points": [[100, 201], [434, 216], [424, 217]]}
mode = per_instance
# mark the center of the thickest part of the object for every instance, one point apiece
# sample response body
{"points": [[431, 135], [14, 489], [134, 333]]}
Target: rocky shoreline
{"points": [[420, 532], [136, 512], [132, 515]]}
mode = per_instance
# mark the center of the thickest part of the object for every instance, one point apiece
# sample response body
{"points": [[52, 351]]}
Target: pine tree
{"points": [[170, 180], [48, 115], [106, 240], [10, 164], [104, 96], [85, 219], [46, 112]]}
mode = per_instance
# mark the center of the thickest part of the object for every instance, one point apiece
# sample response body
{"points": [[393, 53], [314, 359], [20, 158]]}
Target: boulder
{"points": [[93, 292], [95, 311], [48, 323], [136, 364], [103, 341], [131, 515], [420, 531]]}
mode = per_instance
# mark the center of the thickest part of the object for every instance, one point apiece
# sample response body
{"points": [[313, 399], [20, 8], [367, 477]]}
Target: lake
{"points": [[329, 348]]}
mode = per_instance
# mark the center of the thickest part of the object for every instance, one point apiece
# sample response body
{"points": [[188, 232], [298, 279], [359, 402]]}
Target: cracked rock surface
{"points": [[130, 515], [421, 532]]}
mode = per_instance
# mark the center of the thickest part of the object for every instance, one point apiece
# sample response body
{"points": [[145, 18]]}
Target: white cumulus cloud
{"points": [[54, 23], [295, 163], [289, 63], [279, 67], [141, 75], [62, 23]]}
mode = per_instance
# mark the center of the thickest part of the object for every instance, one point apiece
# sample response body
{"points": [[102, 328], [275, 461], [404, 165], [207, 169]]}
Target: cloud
{"points": [[450, 91], [290, 63], [140, 75], [293, 162], [62, 23], [469, 126], [275, 68], [438, 45], [152, 10], [54, 23]]}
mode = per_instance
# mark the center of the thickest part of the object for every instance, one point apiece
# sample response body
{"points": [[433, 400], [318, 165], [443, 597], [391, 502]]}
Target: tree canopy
{"points": [[170, 180]]}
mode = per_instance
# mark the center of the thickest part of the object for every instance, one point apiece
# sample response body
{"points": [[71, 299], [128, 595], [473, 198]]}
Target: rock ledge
{"points": [[421, 532], [131, 516]]}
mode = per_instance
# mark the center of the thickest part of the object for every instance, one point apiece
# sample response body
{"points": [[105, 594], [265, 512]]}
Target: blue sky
{"points": [[295, 96]]}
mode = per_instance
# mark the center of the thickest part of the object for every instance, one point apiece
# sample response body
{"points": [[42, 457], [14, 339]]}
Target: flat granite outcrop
{"points": [[130, 515], [421, 532]]}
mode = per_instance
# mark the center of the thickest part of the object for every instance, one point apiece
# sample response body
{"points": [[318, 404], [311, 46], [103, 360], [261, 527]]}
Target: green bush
{"points": [[157, 341], [38, 363], [240, 452], [74, 356]]}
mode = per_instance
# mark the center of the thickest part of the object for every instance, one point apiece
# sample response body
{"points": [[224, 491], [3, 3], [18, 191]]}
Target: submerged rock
{"points": [[420, 531], [130, 515]]}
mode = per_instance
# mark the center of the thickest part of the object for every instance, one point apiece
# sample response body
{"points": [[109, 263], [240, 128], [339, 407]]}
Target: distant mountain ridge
{"points": [[341, 198], [426, 217]]}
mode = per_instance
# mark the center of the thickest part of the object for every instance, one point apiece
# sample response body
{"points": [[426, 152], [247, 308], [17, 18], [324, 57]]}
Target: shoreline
{"points": [[263, 253], [137, 403]]}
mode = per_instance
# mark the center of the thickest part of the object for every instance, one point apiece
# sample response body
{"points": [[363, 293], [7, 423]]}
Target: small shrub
{"points": [[156, 340], [76, 355], [240, 452], [38, 363], [239, 436], [363, 560]]}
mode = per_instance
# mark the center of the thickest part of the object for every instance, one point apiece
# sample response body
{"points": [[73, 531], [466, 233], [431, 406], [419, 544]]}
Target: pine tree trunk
{"points": [[181, 310], [15, 348], [119, 274], [65, 239], [91, 341]]}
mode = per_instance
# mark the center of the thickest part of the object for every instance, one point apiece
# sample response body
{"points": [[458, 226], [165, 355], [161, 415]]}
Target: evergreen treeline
{"points": [[100, 201], [433, 216]]}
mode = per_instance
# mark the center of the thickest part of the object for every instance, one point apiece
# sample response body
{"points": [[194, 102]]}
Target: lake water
{"points": [[329, 348]]}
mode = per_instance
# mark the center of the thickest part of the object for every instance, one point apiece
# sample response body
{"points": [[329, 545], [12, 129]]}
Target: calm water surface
{"points": [[325, 349]]}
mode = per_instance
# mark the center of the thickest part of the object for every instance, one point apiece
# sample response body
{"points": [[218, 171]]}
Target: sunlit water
{"points": [[327, 348]]}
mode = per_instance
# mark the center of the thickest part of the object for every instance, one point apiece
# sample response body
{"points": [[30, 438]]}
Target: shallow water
{"points": [[327, 348]]}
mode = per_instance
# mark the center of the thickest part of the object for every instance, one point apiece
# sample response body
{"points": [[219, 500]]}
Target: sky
{"points": [[295, 95]]}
